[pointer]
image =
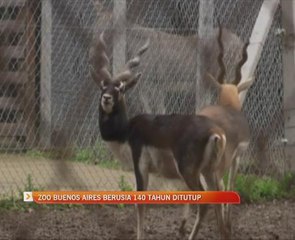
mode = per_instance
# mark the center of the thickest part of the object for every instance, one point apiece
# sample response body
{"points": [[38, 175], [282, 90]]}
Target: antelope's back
{"points": [[232, 121], [169, 131]]}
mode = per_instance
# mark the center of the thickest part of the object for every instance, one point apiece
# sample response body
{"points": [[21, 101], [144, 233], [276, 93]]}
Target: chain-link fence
{"points": [[49, 134]]}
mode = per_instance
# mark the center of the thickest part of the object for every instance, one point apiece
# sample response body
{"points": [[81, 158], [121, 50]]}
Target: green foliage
{"points": [[124, 186], [86, 155], [110, 164], [15, 202], [102, 153], [98, 155], [90, 154], [37, 154], [29, 186], [254, 189], [288, 184]]}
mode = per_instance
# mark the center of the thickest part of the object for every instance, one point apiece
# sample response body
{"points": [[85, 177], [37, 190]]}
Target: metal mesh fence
{"points": [[49, 134]]}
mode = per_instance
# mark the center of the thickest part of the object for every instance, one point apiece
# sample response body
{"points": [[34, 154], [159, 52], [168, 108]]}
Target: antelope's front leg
{"points": [[141, 175], [140, 210]]}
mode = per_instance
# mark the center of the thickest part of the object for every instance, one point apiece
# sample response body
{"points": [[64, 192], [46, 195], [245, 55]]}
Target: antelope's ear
{"points": [[132, 82], [245, 85]]}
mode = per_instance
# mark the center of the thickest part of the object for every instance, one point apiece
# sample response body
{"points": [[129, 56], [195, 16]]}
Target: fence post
{"points": [[119, 39], [45, 82], [258, 37], [29, 94], [288, 21], [205, 31]]}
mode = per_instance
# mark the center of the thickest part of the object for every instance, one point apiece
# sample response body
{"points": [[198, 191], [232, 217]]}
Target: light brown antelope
{"points": [[188, 144], [228, 115]]}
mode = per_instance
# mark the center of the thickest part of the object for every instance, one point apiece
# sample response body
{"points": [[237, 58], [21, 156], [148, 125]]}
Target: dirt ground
{"points": [[273, 220]]}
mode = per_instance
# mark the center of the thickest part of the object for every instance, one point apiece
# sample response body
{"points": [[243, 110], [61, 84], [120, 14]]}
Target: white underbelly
{"points": [[164, 174], [159, 163], [122, 153]]}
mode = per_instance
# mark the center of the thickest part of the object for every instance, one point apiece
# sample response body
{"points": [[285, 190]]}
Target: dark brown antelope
{"points": [[176, 146], [228, 115]]}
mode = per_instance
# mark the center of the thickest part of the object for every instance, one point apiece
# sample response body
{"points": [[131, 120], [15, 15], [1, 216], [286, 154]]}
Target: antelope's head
{"points": [[229, 92], [112, 88]]}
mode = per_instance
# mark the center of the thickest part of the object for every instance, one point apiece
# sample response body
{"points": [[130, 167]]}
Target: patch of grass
{"points": [[255, 189], [29, 186], [85, 155], [15, 202], [37, 154], [102, 153], [110, 164], [287, 185], [96, 155], [124, 186]]}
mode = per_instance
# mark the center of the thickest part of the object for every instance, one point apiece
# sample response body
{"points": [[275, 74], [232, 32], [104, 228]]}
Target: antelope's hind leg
{"points": [[194, 184], [186, 214], [192, 179], [233, 171], [215, 184]]}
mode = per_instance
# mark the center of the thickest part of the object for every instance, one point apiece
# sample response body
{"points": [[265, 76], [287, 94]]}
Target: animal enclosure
{"points": [[49, 103]]}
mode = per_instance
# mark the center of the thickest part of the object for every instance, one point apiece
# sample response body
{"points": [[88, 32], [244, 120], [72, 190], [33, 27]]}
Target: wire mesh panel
{"points": [[264, 106], [56, 128]]}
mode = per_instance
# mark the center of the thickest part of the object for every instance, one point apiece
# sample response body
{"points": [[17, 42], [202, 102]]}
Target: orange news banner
{"points": [[132, 197]]}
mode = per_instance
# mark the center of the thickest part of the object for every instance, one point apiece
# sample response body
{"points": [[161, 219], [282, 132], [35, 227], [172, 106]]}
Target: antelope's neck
{"points": [[229, 103], [114, 126], [229, 97]]}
